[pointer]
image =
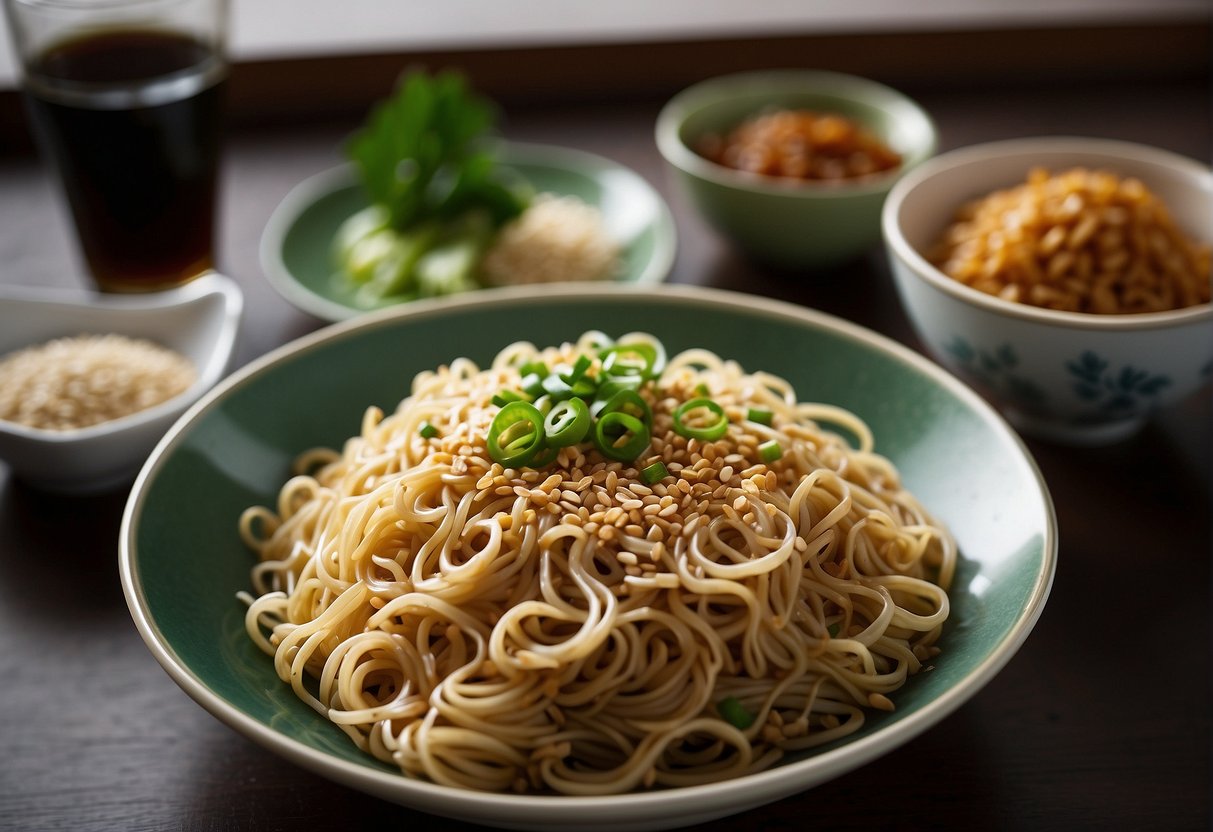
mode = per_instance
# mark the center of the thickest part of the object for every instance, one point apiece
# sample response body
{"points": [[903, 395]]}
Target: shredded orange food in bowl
{"points": [[801, 144], [1080, 240]]}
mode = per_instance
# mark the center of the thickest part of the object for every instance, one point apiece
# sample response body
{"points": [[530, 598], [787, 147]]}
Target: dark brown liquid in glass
{"points": [[131, 120]]}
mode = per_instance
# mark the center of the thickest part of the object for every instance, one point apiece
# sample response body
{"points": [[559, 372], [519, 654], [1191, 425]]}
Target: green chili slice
{"points": [[693, 426], [427, 430], [567, 423], [654, 473], [621, 436], [515, 434], [733, 712], [770, 451]]}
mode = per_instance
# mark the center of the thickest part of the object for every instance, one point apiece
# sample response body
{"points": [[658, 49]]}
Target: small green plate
{"points": [[296, 246], [182, 561]]}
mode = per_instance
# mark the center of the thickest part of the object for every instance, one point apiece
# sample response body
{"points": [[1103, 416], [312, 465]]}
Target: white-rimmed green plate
{"points": [[182, 561], [296, 246]]}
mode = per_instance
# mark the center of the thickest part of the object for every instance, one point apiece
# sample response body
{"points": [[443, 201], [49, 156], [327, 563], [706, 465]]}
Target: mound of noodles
{"points": [[574, 630]]}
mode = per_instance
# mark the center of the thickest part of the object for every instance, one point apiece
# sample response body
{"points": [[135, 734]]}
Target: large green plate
{"points": [[182, 561], [296, 246]]}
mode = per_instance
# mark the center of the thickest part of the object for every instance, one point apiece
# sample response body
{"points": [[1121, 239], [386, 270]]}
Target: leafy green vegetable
{"points": [[437, 194], [421, 156]]}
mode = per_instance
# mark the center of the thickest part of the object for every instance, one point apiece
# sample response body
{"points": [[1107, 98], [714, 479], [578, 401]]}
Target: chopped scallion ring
{"points": [[609, 387], [619, 435], [629, 402], [770, 451], [515, 434], [650, 344], [544, 404], [654, 473], [760, 415], [580, 366], [636, 354], [504, 397], [634, 360], [532, 383], [427, 430], [557, 388], [567, 423], [533, 367], [700, 419], [585, 388]]}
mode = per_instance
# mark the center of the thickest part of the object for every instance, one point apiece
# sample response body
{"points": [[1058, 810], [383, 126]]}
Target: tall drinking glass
{"points": [[126, 98]]}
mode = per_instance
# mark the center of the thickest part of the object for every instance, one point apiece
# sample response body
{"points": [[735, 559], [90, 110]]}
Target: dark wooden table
{"points": [[1100, 722]]}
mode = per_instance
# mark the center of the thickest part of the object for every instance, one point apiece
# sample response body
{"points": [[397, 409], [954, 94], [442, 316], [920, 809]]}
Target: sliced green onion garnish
{"points": [[642, 359], [621, 436], [578, 369], [610, 386], [689, 423], [544, 404], [532, 383], [504, 397], [770, 451], [629, 402], [733, 712], [834, 629], [567, 423], [596, 340], [557, 388], [515, 434], [585, 388], [533, 367], [654, 473], [760, 415], [651, 344], [427, 430]]}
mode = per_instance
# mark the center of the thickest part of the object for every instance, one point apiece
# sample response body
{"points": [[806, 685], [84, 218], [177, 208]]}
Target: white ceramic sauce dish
{"points": [[199, 320]]}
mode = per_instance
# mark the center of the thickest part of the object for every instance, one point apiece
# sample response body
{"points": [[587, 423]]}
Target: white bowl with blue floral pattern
{"points": [[1071, 377]]}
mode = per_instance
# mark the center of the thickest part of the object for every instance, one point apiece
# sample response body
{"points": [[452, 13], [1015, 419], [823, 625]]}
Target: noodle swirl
{"points": [[574, 629]]}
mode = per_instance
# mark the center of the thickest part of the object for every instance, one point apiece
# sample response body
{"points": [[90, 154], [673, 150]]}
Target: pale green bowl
{"points": [[790, 224], [182, 561], [297, 244]]}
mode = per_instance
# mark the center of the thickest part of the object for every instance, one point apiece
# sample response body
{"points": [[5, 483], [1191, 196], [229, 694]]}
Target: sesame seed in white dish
{"points": [[75, 382]]}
